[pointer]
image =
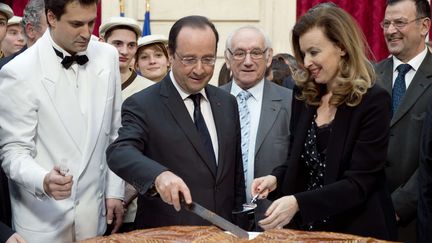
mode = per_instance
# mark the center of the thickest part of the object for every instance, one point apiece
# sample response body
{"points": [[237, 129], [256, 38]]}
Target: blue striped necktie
{"points": [[399, 86], [242, 98]]}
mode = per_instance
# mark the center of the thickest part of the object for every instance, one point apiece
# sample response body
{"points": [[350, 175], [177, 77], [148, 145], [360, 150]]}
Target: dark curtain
{"points": [[368, 13], [19, 5]]}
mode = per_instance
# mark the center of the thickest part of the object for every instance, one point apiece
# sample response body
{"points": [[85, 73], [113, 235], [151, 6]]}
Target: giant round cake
{"points": [[208, 234]]}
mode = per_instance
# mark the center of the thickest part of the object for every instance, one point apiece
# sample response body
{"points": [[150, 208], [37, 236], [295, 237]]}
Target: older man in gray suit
{"points": [[264, 107], [406, 24]]}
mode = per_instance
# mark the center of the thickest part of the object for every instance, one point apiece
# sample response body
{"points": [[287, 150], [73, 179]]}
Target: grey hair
{"points": [[267, 40], [32, 15]]}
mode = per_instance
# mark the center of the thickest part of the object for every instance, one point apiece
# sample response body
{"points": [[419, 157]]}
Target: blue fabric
{"points": [[399, 86], [146, 26], [244, 115]]}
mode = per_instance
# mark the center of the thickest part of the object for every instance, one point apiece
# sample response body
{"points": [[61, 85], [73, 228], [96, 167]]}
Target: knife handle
{"points": [[183, 203]]}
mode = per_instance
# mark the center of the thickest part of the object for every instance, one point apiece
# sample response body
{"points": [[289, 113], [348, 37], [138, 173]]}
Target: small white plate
{"points": [[251, 234]]}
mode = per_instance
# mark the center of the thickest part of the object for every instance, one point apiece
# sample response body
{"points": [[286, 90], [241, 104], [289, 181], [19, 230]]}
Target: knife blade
{"points": [[215, 219]]}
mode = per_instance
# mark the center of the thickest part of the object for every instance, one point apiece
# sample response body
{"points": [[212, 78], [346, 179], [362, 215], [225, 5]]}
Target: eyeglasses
{"points": [[241, 54], [189, 61], [397, 23]]}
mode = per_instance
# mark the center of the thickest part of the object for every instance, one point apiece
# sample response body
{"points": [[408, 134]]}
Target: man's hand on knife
{"points": [[169, 186]]}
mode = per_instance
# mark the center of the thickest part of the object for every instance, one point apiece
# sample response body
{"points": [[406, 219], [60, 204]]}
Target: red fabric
{"points": [[368, 13], [98, 20], [19, 5]]}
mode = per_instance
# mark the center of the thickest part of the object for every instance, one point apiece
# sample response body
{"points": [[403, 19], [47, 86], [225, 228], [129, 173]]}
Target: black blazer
{"points": [[158, 134], [354, 197], [424, 213], [5, 209]]}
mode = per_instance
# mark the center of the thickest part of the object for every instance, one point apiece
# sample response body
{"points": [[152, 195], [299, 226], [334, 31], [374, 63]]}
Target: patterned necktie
{"points": [[399, 86], [69, 60], [242, 98], [201, 125]]}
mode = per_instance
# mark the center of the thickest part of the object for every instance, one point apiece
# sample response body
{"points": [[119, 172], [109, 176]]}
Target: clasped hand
{"points": [[58, 185], [280, 213]]}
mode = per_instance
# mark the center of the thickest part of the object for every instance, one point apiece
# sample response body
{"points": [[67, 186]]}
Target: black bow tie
{"points": [[69, 60]]}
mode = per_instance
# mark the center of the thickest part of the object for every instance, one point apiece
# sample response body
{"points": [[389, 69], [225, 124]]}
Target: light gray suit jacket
{"points": [[272, 140], [405, 133]]}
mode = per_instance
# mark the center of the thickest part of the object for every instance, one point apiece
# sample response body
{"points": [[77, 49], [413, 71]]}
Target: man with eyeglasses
{"points": [[407, 76], [180, 138], [264, 107]]}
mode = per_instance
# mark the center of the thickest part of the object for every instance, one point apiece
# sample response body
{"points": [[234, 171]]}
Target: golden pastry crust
{"points": [[212, 234]]}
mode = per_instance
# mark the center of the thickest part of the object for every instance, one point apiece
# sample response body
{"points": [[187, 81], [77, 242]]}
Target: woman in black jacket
{"points": [[334, 178]]}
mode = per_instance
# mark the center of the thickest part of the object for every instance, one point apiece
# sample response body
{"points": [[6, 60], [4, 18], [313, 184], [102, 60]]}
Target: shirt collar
{"points": [[256, 91], [414, 62], [183, 94]]}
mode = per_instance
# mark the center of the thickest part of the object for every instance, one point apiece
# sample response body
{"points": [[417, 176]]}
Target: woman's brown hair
{"points": [[356, 73]]}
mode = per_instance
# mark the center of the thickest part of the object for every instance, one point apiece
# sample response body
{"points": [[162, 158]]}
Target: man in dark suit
{"points": [[248, 53], [424, 214], [161, 150], [406, 24]]}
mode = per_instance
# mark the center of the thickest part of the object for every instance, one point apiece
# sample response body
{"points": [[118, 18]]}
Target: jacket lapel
{"points": [[60, 92], [177, 108], [339, 132], [269, 110], [98, 85], [218, 116], [386, 75]]}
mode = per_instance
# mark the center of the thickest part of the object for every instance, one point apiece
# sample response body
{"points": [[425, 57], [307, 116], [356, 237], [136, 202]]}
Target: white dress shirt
{"points": [[415, 64]]}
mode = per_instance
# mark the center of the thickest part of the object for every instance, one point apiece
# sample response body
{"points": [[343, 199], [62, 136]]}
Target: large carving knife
{"points": [[215, 219]]}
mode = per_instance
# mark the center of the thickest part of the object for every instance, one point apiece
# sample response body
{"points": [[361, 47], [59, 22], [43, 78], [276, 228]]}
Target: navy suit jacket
{"points": [[405, 129], [424, 214], [158, 134]]}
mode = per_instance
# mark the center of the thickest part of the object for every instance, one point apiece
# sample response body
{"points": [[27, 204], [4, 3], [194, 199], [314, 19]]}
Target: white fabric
{"points": [[415, 64], [137, 85], [42, 124]]}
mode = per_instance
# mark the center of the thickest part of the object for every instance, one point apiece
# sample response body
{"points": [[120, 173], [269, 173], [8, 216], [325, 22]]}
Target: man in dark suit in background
{"points": [[248, 53], [424, 214], [160, 149], [407, 76]]}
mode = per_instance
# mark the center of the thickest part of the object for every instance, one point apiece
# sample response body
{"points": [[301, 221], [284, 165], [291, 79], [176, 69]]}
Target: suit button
{"points": [[216, 189], [100, 195], [101, 167]]}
